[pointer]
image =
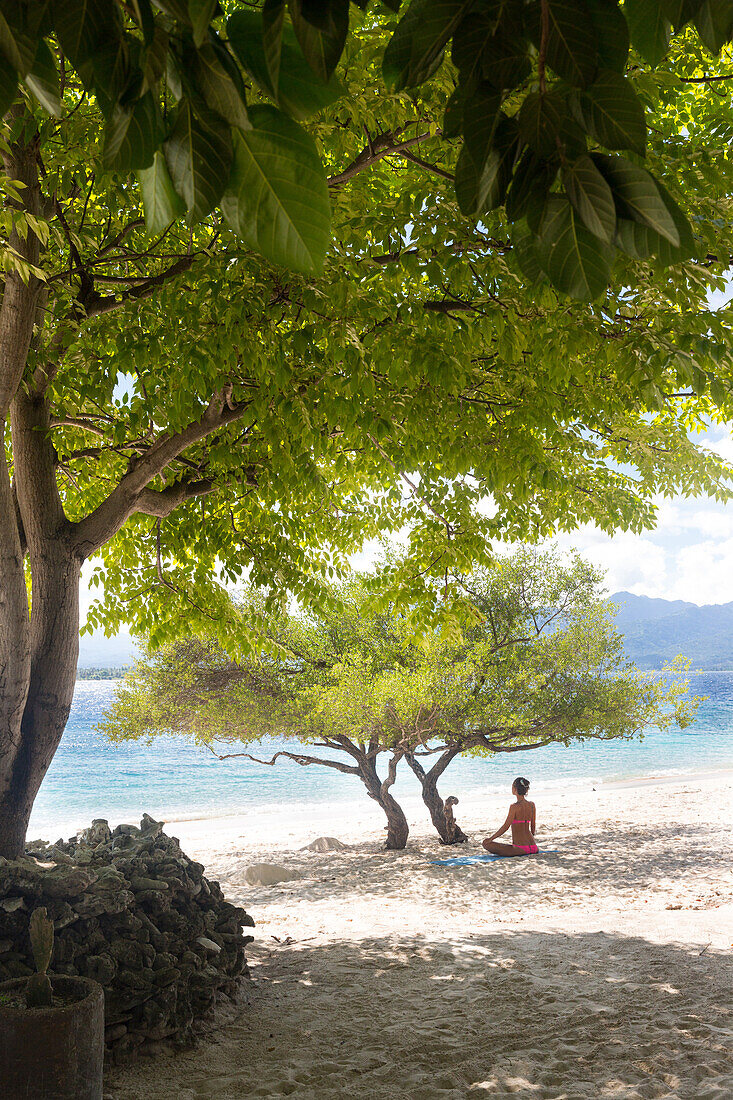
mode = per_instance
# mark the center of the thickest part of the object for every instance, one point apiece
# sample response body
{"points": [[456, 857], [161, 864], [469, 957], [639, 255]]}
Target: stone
{"points": [[67, 882], [150, 825], [268, 874], [209, 945], [325, 844], [98, 832], [11, 905]]}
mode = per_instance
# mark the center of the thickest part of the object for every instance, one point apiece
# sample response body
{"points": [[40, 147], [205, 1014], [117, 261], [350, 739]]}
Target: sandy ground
{"points": [[604, 970]]}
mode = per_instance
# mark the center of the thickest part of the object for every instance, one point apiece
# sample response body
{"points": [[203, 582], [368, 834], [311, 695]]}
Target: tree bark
{"points": [[53, 631], [397, 828], [441, 815]]}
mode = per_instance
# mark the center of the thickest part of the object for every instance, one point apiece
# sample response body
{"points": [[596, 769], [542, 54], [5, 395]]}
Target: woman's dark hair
{"points": [[521, 784]]}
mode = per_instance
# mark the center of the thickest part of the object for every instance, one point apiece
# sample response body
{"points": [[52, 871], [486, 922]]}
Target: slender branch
{"points": [[424, 164], [412, 486], [299, 758], [383, 145]]}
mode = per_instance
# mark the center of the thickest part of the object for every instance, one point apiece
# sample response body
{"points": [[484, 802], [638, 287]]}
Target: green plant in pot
{"points": [[51, 1029]]}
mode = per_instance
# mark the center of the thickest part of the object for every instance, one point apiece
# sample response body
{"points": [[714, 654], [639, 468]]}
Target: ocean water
{"points": [[172, 778]]}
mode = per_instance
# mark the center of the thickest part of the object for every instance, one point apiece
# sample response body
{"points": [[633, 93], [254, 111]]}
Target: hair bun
{"points": [[521, 784]]}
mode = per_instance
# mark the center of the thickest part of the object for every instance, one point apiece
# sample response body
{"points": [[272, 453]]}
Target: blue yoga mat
{"points": [[468, 861]]}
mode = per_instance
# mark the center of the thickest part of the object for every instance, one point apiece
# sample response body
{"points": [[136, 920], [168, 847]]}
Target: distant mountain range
{"points": [[657, 630]]}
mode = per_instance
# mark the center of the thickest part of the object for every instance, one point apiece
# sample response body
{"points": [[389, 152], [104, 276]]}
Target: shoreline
{"points": [[345, 814]]}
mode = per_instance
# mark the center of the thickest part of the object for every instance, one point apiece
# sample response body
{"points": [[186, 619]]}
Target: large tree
{"points": [[192, 412], [539, 664]]}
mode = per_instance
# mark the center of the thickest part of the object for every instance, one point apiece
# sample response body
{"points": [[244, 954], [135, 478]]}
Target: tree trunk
{"points": [[55, 650], [397, 828], [441, 813], [53, 631]]}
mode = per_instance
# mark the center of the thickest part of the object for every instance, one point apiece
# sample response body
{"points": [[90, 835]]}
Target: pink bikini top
{"points": [[518, 822]]}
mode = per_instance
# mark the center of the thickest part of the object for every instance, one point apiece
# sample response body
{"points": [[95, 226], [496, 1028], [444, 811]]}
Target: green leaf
{"points": [[220, 83], [637, 196], [8, 85], [161, 202], [300, 92], [547, 127], [178, 9], [155, 57], [481, 181], [9, 46], [277, 198], [200, 13], [18, 35], [415, 50], [199, 157], [497, 53], [649, 28], [43, 80], [132, 135], [273, 18], [84, 25], [528, 191], [572, 46], [591, 198], [321, 30], [612, 34], [613, 113], [143, 14], [641, 242], [576, 261], [714, 23], [687, 241], [527, 253], [480, 116], [453, 116]]}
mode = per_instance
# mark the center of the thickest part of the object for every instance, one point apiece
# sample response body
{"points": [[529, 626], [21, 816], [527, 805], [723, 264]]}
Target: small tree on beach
{"points": [[326, 681], [540, 663]]}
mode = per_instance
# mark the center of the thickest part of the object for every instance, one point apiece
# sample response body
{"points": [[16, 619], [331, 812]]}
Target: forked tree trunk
{"points": [[441, 815], [397, 828]]}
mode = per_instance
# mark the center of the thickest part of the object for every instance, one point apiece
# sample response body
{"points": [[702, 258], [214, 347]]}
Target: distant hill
{"points": [[657, 630]]}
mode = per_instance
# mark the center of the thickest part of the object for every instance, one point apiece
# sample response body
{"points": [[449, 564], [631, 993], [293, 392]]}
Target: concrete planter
{"points": [[53, 1053]]}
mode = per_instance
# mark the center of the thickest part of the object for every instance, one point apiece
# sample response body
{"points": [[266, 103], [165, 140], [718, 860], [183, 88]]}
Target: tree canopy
{"points": [[542, 107], [541, 664]]}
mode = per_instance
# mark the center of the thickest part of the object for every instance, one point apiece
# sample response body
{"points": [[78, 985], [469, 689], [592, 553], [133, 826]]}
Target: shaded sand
{"points": [[604, 970]]}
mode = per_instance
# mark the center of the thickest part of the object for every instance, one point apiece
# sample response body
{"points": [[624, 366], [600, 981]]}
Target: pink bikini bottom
{"points": [[528, 849]]}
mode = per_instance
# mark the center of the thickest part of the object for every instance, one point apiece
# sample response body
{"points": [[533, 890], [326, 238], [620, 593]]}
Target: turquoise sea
{"points": [[90, 777]]}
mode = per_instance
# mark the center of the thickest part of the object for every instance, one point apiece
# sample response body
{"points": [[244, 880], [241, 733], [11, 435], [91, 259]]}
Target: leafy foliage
{"points": [[539, 87]]}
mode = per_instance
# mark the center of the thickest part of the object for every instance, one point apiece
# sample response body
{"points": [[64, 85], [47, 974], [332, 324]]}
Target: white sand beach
{"points": [[604, 969]]}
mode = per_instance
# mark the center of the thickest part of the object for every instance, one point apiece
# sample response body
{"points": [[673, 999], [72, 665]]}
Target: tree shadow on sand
{"points": [[537, 1015]]}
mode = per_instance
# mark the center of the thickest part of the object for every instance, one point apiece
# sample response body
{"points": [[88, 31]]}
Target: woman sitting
{"points": [[522, 817]]}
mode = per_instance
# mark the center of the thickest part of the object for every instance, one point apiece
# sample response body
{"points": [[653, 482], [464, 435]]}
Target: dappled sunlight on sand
{"points": [[603, 970]]}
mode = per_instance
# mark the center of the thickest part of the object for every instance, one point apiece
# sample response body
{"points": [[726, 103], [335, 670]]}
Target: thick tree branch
{"points": [[125, 499], [99, 304]]}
